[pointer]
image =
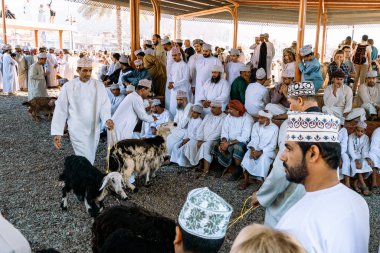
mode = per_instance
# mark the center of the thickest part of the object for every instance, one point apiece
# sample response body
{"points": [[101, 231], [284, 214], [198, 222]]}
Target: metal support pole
{"points": [[157, 16], [236, 24], [36, 38], [324, 34], [135, 25], [4, 22], [316, 46], [60, 39], [301, 34]]}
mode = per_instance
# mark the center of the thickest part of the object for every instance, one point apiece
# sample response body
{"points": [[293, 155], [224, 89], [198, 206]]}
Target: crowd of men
{"points": [[224, 113]]}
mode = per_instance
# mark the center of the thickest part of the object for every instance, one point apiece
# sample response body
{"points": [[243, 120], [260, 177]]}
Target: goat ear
{"points": [[105, 181]]}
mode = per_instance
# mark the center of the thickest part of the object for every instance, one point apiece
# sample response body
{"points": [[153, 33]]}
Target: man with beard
{"points": [[277, 194], [133, 77], [52, 66], [178, 79], [261, 149], [203, 68], [215, 88], [181, 120], [338, 99], [235, 134], [197, 44], [240, 84], [166, 43], [369, 94], [159, 51], [22, 69], [330, 217]]}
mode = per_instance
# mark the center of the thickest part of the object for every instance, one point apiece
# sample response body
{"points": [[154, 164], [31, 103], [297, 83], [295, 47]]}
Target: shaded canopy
{"points": [[340, 12]]}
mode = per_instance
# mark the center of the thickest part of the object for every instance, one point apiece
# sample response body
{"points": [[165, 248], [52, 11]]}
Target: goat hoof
{"points": [[125, 199], [64, 208], [148, 184], [80, 198], [135, 190]]}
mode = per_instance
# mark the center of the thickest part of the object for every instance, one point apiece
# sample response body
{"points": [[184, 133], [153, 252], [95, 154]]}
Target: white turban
{"points": [[265, 114]]}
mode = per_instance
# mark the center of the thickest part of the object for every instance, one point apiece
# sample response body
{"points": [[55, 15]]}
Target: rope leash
{"points": [[243, 212], [109, 147]]}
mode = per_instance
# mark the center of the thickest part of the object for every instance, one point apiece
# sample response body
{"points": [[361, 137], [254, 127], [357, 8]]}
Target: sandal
{"points": [[356, 188], [375, 189], [366, 191]]}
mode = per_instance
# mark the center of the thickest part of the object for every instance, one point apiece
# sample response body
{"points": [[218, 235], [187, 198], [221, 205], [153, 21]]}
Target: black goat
{"points": [[88, 183], [153, 230]]}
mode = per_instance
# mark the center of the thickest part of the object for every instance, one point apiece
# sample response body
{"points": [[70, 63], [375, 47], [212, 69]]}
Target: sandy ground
{"points": [[30, 192]]}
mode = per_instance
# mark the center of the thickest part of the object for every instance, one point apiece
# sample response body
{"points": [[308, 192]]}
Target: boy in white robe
{"points": [[181, 120], [37, 78], [361, 163], [215, 88], [183, 149], [131, 110], [207, 137], [115, 97], [257, 95], [338, 99], [84, 104], [233, 67], [162, 115], [178, 79], [374, 154], [261, 149], [344, 165]]}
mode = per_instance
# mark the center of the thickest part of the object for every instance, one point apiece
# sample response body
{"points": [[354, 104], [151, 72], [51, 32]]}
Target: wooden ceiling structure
{"points": [[301, 12]]}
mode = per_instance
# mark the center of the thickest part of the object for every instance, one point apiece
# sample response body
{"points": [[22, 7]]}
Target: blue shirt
{"points": [[311, 71]]}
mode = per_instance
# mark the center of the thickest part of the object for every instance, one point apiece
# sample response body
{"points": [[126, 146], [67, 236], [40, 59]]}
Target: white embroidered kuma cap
{"points": [[312, 127], [84, 62], [205, 214]]}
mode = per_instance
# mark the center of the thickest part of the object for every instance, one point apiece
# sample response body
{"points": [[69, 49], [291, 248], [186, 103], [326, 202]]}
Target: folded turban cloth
{"points": [[237, 105]]}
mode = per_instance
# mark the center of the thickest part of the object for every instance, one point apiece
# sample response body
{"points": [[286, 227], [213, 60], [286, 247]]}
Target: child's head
{"points": [[261, 239], [196, 111], [361, 128]]}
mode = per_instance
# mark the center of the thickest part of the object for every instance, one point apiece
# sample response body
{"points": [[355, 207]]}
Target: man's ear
{"points": [[178, 236], [313, 154], [301, 102]]}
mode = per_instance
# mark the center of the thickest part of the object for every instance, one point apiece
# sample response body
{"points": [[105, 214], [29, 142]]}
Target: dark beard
{"points": [[215, 80], [296, 174], [180, 107]]}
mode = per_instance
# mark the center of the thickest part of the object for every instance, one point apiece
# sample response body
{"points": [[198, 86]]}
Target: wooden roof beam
{"points": [[206, 12], [271, 2]]}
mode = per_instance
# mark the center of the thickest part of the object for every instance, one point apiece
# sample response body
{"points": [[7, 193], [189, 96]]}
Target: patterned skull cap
{"points": [[84, 62], [205, 214], [156, 102], [299, 89], [305, 50], [197, 108], [312, 127], [361, 124]]}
